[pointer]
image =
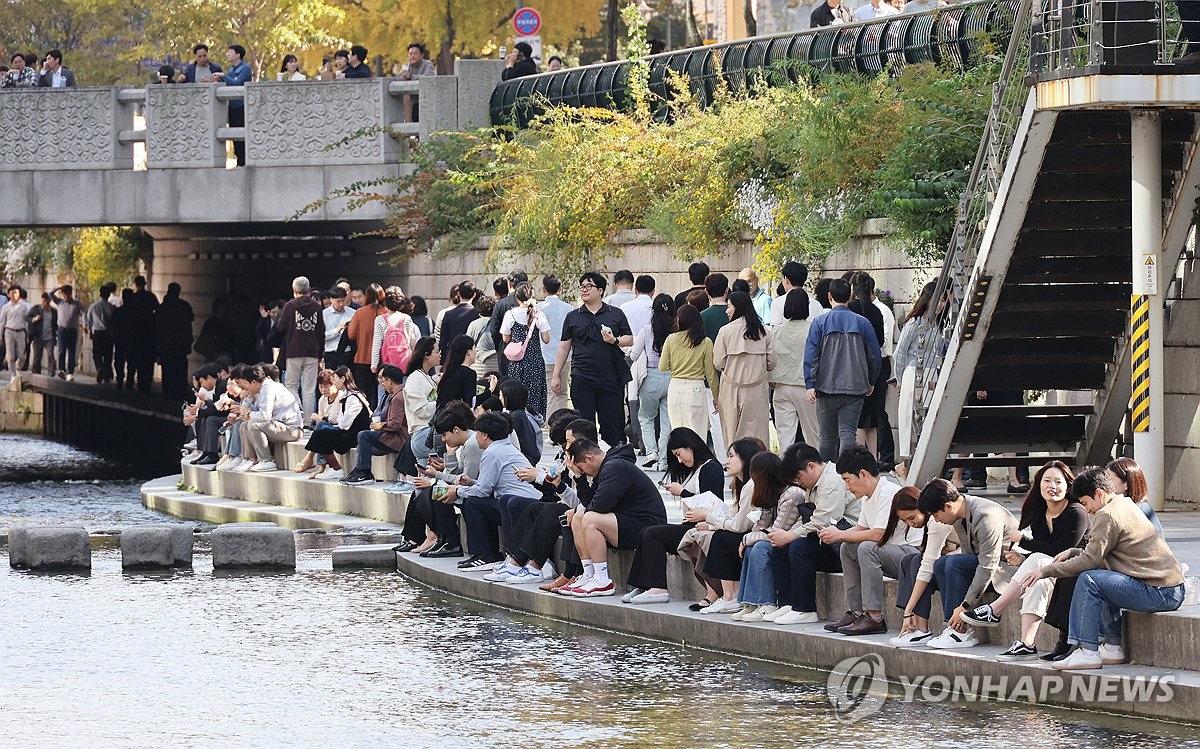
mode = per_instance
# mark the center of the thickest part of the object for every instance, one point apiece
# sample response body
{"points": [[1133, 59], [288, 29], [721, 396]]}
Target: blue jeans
{"points": [[370, 443], [233, 445], [652, 402], [1100, 595], [954, 573], [757, 586], [837, 417]]}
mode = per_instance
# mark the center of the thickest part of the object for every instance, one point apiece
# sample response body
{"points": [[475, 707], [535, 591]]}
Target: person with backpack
{"points": [[395, 333]]}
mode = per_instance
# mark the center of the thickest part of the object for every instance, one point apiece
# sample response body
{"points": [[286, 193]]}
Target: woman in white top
{"points": [[420, 388], [290, 70], [344, 418], [329, 390], [696, 542], [792, 408], [517, 327], [916, 584], [394, 301], [915, 331]]}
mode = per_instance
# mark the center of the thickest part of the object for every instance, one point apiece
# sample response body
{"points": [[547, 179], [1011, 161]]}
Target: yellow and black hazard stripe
{"points": [[1140, 404]]}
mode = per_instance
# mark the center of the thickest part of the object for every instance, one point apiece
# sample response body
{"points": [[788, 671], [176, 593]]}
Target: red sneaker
{"points": [[593, 589]]}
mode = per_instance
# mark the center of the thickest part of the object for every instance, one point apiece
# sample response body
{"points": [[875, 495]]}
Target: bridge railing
{"points": [[956, 35], [300, 123], [1070, 36]]}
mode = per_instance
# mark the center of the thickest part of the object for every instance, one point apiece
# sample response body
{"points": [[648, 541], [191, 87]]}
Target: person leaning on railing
{"points": [[21, 75]]}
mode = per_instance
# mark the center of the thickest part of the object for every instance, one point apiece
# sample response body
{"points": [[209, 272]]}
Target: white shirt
{"points": [[619, 297], [913, 6], [638, 311], [889, 326], [815, 309], [511, 317], [877, 510], [869, 12], [57, 80], [333, 321], [297, 76]]}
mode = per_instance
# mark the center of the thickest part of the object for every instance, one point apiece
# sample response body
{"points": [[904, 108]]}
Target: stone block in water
{"points": [[365, 555], [152, 546], [243, 546], [49, 548]]}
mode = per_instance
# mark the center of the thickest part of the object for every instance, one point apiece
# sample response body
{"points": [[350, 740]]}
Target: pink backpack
{"points": [[394, 349]]}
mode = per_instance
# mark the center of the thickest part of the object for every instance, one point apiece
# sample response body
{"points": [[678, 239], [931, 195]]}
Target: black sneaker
{"points": [[358, 477], [982, 616], [477, 562], [1060, 652], [444, 551], [1017, 488], [1018, 652]]}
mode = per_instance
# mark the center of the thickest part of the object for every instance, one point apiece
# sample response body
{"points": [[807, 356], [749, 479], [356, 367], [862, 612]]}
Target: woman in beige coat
{"points": [[743, 354]]}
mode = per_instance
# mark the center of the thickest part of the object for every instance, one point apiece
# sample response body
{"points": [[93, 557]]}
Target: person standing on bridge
{"points": [[357, 67], [302, 325], [12, 322], [173, 330], [21, 75], [98, 324], [70, 310], [42, 327], [239, 74], [201, 70]]}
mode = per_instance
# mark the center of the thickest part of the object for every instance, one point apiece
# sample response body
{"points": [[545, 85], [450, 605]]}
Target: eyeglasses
{"points": [[587, 287]]}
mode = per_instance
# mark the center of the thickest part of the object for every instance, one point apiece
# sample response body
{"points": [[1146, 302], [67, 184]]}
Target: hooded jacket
{"points": [[303, 327], [622, 487]]}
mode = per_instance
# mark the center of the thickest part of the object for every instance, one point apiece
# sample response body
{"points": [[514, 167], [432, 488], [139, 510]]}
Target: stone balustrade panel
{"points": [[181, 126], [321, 122], [63, 129]]}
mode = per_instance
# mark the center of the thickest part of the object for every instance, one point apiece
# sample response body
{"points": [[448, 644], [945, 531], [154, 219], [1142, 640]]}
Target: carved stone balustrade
{"points": [[64, 129]]}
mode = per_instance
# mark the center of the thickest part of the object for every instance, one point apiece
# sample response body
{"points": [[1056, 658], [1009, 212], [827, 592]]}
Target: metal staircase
{"points": [[1039, 271]]}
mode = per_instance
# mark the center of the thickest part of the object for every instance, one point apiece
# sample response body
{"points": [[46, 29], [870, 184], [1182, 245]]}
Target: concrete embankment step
{"points": [[164, 495], [1133, 689]]}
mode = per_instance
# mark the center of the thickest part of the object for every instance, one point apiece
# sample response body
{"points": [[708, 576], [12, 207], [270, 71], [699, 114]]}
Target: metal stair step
{"points": [[1113, 127], [1099, 324], [1045, 349], [1067, 242], [955, 460], [1057, 298], [1083, 269], [992, 412], [1091, 215], [1039, 376]]}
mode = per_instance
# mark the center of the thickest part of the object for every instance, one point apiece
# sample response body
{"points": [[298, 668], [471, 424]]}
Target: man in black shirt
{"points": [[593, 336], [358, 68], [829, 13], [459, 317], [519, 62], [697, 272]]}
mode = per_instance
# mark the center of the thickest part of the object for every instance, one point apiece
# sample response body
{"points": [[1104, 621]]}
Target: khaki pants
{"points": [[791, 409], [259, 435], [554, 401], [688, 405]]}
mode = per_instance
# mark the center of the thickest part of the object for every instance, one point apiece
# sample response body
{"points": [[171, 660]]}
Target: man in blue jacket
{"points": [[841, 362], [239, 74], [624, 502]]}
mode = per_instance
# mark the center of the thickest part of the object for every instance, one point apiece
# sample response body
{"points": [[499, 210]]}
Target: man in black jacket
{"points": [[829, 13], [458, 318], [519, 62], [624, 501], [303, 329]]}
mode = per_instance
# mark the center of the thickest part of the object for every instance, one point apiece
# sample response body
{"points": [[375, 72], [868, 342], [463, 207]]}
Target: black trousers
{"points": [[141, 362], [365, 379], [909, 566], [535, 532], [607, 405], [237, 118], [796, 565], [208, 434], [723, 561], [571, 566], [424, 514], [120, 359], [175, 377], [102, 355], [649, 568], [1058, 612]]}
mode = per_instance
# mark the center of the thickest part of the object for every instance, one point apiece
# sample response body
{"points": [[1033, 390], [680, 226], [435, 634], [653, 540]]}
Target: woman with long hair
{"points": [[289, 70], [652, 394], [733, 524], [1129, 479], [693, 470], [795, 418], [918, 336], [393, 316], [338, 432], [528, 328], [420, 315], [360, 334], [687, 356], [916, 585], [1056, 522], [420, 387], [458, 381], [743, 353]]}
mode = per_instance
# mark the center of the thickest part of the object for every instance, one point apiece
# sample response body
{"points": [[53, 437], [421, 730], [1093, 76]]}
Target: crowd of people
{"points": [[459, 407]]}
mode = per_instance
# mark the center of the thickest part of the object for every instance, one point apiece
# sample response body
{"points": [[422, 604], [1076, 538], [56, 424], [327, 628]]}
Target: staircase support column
{"points": [[1146, 319]]}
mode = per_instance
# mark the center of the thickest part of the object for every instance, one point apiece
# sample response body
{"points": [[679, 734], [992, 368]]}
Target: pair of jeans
{"points": [[757, 585], [481, 515], [954, 573], [370, 444], [301, 378], [837, 420], [68, 340], [606, 405], [652, 404], [102, 356], [795, 567], [1101, 595]]}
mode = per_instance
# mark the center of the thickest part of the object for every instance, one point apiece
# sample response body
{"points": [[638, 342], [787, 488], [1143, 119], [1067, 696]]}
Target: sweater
{"points": [[361, 331], [275, 402], [303, 326], [709, 478], [1070, 530], [782, 517], [1123, 540], [683, 361], [497, 474], [622, 487]]}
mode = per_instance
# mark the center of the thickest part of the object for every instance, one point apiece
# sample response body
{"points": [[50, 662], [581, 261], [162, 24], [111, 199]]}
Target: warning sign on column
{"points": [[1145, 281]]}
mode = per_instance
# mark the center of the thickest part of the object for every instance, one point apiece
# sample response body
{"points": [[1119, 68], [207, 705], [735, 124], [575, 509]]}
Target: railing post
{"points": [[181, 126], [1147, 318]]}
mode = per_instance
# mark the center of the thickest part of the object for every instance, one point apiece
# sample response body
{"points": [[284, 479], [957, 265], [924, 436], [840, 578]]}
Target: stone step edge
{"points": [[810, 647], [162, 495]]}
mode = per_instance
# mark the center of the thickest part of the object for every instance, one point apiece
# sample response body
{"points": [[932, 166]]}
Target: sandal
{"points": [[301, 467], [320, 470], [704, 603]]}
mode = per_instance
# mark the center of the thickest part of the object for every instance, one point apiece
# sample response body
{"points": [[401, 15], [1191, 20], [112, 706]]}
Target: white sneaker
{"points": [[190, 445], [548, 571], [781, 611], [524, 576], [722, 607], [242, 467], [746, 609], [797, 617], [952, 640], [264, 466], [502, 573], [1079, 660], [648, 597], [1112, 655], [228, 463], [70, 378], [332, 474], [759, 614], [628, 597], [911, 639]]}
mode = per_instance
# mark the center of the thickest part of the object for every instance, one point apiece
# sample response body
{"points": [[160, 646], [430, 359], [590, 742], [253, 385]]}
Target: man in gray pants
{"points": [[866, 555], [12, 321]]}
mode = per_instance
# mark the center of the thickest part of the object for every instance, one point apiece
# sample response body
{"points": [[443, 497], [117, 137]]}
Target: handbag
{"points": [[516, 351]]}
